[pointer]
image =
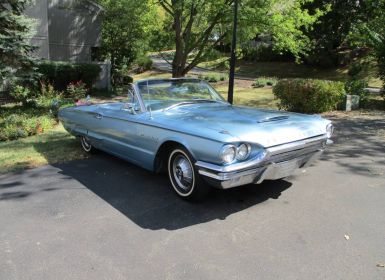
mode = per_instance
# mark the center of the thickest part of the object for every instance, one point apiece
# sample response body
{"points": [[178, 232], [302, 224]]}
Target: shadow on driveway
{"points": [[148, 199], [359, 145]]}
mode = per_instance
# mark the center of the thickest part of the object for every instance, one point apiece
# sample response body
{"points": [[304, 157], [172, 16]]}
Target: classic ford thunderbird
{"points": [[185, 128]]}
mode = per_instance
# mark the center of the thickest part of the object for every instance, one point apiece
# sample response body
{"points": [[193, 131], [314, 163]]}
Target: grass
{"points": [[252, 69], [49, 147]]}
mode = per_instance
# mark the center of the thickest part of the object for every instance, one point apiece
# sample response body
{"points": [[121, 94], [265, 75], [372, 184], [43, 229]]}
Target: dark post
{"points": [[232, 59]]}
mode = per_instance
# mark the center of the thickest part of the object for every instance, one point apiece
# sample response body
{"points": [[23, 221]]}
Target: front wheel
{"points": [[184, 177]]}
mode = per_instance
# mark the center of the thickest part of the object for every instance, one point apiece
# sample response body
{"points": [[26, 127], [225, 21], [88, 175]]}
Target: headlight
{"points": [[228, 153], [243, 152], [329, 130]]}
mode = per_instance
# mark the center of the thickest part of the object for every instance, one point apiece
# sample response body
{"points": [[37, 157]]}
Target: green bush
{"points": [[21, 94], [144, 63], [263, 52], [61, 74], [309, 96], [357, 87], [224, 65], [212, 77], [47, 90], [212, 54], [76, 90], [264, 81], [20, 122], [381, 65]]}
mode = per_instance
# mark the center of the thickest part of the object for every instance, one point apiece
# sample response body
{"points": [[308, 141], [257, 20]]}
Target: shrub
{"points": [[213, 77], [76, 90], [357, 87], [224, 65], [263, 52], [356, 83], [144, 63], [22, 122], [60, 74], [381, 65], [47, 90], [21, 94], [212, 54], [263, 81], [309, 96]]}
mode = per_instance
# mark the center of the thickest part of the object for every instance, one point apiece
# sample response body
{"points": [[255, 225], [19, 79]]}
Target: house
{"points": [[69, 30]]}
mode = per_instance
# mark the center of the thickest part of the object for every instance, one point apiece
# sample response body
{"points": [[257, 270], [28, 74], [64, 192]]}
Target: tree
{"points": [[370, 33], [15, 49], [125, 31], [330, 33], [199, 25]]}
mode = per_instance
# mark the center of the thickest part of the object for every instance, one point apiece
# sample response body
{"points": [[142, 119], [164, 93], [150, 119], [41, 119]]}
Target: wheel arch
{"points": [[161, 156]]}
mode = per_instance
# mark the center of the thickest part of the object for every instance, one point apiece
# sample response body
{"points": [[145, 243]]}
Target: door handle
{"points": [[98, 116]]}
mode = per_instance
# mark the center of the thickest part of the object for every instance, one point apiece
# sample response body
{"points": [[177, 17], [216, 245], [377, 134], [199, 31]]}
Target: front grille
{"points": [[297, 152]]}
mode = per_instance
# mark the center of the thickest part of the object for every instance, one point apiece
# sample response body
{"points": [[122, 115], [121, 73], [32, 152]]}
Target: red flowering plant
{"points": [[76, 91]]}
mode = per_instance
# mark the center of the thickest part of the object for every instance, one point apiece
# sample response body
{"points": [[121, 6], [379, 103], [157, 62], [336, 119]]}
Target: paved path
{"points": [[102, 218], [161, 64]]}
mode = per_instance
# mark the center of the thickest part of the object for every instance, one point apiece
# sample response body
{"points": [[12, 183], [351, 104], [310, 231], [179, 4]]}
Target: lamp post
{"points": [[232, 59]]}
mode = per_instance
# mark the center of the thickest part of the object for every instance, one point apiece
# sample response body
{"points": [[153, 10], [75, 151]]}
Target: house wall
{"points": [[66, 29], [39, 12], [73, 29]]}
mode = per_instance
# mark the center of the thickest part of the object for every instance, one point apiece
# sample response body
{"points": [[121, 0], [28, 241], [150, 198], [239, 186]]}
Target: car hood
{"points": [[226, 123]]}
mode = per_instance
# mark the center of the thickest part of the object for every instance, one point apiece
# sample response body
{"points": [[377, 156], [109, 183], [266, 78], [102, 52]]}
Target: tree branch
{"points": [[199, 56], [166, 6]]}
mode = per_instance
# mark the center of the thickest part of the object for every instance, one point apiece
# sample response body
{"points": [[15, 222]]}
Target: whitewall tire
{"points": [[183, 175]]}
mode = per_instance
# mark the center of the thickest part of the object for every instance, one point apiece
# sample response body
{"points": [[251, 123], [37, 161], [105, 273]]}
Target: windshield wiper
{"points": [[194, 101]]}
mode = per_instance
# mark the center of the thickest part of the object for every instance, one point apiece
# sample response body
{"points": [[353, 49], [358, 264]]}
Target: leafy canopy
{"points": [[125, 30], [199, 25]]}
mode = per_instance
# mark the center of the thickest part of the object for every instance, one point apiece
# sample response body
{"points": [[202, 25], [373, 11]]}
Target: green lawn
{"points": [[49, 147], [289, 70]]}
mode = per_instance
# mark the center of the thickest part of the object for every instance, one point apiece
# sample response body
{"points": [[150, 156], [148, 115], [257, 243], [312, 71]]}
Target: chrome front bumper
{"points": [[282, 162]]}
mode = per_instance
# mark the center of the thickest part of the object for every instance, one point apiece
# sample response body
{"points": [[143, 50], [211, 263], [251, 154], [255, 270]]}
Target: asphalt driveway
{"points": [[102, 218]]}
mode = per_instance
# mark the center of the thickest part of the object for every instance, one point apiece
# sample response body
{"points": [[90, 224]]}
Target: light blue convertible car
{"points": [[183, 126]]}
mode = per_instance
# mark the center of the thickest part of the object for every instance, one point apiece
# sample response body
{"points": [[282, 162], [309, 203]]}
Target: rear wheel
{"points": [[86, 144], [184, 176]]}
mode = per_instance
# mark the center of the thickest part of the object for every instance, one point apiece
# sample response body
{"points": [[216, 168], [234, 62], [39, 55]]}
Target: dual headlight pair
{"points": [[229, 153]]}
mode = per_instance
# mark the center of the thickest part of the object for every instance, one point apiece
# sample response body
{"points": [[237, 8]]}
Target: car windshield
{"points": [[167, 94]]}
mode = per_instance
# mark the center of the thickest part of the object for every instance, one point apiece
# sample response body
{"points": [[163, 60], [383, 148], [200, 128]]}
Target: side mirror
{"points": [[129, 107]]}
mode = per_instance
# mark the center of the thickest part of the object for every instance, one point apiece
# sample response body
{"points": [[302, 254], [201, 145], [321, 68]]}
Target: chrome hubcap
{"points": [[86, 144], [183, 172]]}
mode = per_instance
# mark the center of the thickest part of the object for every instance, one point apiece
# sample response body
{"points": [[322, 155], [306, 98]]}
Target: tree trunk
{"points": [[178, 63]]}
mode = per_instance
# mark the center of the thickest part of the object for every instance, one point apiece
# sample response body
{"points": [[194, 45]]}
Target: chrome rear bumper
{"points": [[282, 162]]}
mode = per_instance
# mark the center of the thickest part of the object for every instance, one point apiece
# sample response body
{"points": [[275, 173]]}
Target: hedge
{"points": [[60, 74], [309, 96]]}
